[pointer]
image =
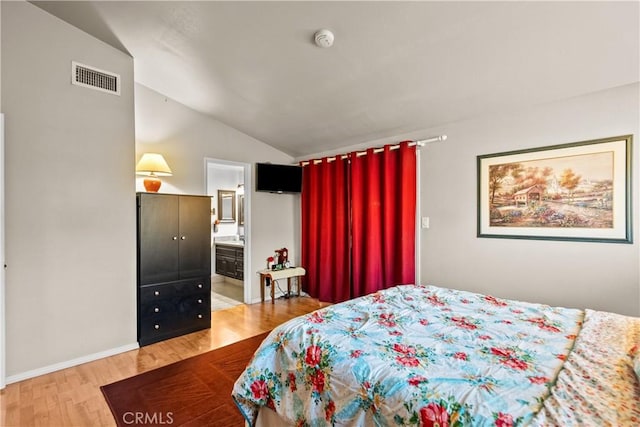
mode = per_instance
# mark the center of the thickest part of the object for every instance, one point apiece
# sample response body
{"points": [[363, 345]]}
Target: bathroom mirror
{"points": [[240, 209], [227, 205]]}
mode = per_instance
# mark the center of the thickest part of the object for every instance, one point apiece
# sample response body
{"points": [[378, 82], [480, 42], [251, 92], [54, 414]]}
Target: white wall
{"points": [[185, 138], [601, 276], [70, 199]]}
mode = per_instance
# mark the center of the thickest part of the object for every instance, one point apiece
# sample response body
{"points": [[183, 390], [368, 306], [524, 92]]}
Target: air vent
{"points": [[93, 78]]}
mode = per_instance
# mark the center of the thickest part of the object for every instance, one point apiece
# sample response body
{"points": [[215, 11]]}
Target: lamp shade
{"points": [[153, 164]]}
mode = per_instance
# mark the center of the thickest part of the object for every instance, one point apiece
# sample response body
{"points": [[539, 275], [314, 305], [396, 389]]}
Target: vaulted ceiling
{"points": [[395, 67]]}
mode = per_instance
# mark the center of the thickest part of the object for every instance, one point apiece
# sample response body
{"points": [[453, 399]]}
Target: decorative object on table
{"points": [[152, 165], [283, 255], [270, 261], [579, 191], [215, 225]]}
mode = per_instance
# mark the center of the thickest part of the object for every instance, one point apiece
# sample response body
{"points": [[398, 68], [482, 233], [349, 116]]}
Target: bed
{"points": [[425, 355]]}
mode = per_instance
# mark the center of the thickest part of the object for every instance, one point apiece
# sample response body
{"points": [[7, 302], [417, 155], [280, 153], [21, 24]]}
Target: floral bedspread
{"points": [[597, 385], [411, 355]]}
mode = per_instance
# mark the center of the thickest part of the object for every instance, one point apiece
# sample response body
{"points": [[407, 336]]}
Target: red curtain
{"points": [[325, 230], [369, 202], [383, 203]]}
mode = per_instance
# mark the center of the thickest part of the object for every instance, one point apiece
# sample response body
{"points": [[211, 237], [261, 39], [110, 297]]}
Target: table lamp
{"points": [[152, 165]]}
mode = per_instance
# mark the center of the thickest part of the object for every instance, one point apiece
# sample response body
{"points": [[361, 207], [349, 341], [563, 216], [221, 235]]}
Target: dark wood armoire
{"points": [[174, 265]]}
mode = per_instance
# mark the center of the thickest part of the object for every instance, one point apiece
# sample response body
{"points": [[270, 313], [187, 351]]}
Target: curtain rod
{"points": [[419, 143]]}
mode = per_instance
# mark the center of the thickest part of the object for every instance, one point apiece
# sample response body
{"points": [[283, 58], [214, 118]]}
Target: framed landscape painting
{"points": [[579, 191]]}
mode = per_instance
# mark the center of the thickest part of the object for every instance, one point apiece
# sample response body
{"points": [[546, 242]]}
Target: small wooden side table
{"points": [[285, 273]]}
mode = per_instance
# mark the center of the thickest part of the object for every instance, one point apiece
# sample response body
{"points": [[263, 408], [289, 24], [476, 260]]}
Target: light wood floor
{"points": [[72, 397]]}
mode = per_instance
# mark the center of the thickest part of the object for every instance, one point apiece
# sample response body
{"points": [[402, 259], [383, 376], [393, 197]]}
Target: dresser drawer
{"points": [[169, 290], [166, 310], [174, 321], [172, 325], [176, 304]]}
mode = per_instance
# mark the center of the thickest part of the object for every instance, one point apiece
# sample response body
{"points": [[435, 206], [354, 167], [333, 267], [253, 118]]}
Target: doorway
{"points": [[230, 231]]}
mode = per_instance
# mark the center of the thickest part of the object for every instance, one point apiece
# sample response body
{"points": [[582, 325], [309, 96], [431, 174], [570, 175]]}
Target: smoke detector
{"points": [[323, 38]]}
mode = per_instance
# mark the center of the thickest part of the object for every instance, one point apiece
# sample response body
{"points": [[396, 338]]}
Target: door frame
{"points": [[2, 259], [247, 278]]}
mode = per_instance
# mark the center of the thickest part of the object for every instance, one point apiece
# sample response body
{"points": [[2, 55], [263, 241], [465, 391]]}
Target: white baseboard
{"points": [[70, 363]]}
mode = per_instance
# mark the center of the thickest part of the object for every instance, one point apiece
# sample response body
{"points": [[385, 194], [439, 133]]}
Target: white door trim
{"points": [[2, 260]]}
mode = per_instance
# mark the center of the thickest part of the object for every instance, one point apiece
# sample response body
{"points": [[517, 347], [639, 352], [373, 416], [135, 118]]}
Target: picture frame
{"points": [[227, 206], [580, 191]]}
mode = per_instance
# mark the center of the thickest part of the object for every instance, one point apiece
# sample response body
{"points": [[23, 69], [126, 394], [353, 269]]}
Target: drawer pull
{"points": [[200, 285], [199, 301], [174, 238], [156, 293], [199, 316], [183, 237], [156, 326], [157, 310]]}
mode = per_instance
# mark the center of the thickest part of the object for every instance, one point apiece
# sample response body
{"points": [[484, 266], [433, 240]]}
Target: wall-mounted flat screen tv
{"points": [[276, 178]]}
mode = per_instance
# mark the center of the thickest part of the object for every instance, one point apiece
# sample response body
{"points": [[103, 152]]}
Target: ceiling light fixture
{"points": [[323, 38]]}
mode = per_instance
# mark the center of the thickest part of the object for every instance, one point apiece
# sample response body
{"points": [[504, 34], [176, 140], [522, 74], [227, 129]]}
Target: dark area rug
{"points": [[192, 392]]}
